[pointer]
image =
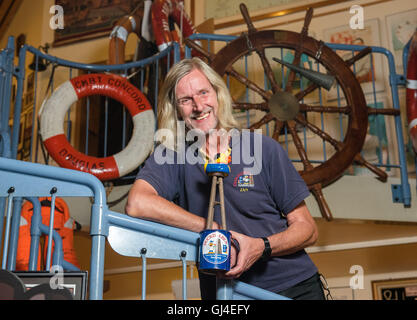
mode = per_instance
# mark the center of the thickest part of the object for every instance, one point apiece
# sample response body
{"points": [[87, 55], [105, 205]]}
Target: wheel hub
{"points": [[284, 106]]}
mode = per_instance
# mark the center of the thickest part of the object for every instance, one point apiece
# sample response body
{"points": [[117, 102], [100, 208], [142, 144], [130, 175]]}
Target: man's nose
{"points": [[197, 103]]}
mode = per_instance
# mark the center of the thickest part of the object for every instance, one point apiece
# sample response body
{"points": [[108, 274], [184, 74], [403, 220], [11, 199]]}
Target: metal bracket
{"points": [[248, 42], [397, 193]]}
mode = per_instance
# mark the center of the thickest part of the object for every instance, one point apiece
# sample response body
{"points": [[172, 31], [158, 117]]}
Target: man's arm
{"points": [[301, 233], [144, 202]]}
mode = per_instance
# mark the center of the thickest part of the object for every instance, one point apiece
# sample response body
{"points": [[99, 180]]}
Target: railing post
{"points": [[7, 232], [35, 233], [14, 233], [224, 289], [184, 274], [143, 256], [51, 228]]}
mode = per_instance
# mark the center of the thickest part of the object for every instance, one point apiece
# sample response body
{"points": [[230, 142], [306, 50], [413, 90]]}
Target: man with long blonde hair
{"points": [[265, 208]]}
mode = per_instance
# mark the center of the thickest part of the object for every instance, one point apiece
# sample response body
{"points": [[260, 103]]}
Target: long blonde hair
{"points": [[167, 109]]}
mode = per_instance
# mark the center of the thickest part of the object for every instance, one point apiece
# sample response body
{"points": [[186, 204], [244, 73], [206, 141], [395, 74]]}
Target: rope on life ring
{"points": [[161, 11], [411, 91], [116, 87]]}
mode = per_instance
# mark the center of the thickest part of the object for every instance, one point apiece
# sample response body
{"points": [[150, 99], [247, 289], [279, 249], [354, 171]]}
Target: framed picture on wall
{"points": [[85, 20], [395, 289], [400, 27], [368, 70]]}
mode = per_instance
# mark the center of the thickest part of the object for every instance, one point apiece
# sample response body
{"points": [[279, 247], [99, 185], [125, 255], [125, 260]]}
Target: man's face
{"points": [[197, 101]]}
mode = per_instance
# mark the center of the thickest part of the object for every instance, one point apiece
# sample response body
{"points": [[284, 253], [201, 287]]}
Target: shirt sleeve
{"points": [[287, 187], [162, 173]]}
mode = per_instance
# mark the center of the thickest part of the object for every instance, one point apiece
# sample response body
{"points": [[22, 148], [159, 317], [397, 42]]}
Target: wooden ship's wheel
{"points": [[283, 105]]}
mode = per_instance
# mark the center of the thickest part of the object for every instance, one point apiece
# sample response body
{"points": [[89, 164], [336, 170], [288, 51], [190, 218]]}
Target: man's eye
{"points": [[184, 100]]}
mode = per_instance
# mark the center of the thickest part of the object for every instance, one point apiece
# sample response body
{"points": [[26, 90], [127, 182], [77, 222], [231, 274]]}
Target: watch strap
{"points": [[267, 251]]}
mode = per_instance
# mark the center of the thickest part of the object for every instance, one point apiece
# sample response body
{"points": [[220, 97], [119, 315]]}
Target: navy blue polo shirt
{"points": [[256, 202]]}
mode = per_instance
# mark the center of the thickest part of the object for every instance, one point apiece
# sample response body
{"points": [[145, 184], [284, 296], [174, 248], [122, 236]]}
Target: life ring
{"points": [[411, 91], [161, 11], [52, 130], [63, 224], [118, 37]]}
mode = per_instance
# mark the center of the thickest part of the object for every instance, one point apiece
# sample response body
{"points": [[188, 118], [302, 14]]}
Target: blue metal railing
{"points": [[127, 235]]}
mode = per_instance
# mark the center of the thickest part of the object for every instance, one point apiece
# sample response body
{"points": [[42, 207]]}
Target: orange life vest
{"points": [[63, 224]]}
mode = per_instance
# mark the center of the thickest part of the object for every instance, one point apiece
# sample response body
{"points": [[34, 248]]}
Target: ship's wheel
{"points": [[283, 104]]}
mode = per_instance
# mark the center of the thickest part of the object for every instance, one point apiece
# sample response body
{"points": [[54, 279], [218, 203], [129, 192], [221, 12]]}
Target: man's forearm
{"points": [[301, 233], [158, 209]]}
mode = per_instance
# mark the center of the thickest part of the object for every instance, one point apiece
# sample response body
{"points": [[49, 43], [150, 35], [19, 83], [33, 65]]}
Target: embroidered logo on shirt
{"points": [[244, 181]]}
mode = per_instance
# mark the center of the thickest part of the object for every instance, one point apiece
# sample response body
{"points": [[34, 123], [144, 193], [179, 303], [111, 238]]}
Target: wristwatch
{"points": [[267, 251]]}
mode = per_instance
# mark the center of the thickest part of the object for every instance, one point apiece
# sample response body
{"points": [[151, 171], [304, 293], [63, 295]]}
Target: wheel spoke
{"points": [[291, 77], [358, 56], [323, 135], [268, 70], [277, 129], [267, 118], [246, 17], [251, 106], [199, 49], [386, 112], [301, 94], [327, 109], [299, 49], [381, 174], [248, 83], [299, 146], [316, 189]]}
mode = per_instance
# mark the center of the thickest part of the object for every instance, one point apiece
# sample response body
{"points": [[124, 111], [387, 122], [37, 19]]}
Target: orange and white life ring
{"points": [[52, 129], [118, 37], [411, 91], [161, 10]]}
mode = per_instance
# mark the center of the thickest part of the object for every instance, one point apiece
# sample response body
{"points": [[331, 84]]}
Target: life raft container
{"points": [[63, 224], [411, 91], [52, 130], [161, 11]]}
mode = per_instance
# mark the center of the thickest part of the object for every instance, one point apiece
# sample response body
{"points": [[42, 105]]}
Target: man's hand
{"points": [[251, 250]]}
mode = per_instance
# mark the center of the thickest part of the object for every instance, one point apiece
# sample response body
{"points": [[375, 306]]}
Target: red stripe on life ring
{"points": [[411, 91], [161, 10], [113, 86], [68, 157]]}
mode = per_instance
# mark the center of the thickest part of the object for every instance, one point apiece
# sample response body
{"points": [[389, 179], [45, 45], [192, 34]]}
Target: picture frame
{"points": [[86, 20], [368, 75], [75, 281], [400, 28], [395, 289]]}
